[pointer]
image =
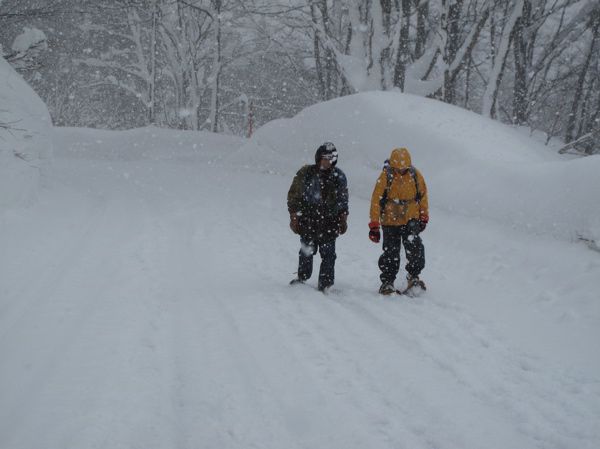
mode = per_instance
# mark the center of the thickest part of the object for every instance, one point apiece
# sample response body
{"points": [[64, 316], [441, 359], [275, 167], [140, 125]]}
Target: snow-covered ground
{"points": [[144, 299]]}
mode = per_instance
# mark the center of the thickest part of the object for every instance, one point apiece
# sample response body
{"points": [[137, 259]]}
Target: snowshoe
{"points": [[387, 288], [296, 281], [414, 287]]}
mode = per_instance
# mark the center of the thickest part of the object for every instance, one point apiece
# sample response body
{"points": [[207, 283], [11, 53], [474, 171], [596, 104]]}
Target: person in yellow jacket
{"points": [[399, 206]]}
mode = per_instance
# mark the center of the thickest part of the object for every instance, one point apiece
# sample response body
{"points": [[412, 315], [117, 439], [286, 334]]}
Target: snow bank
{"points": [[149, 143], [474, 166], [25, 138]]}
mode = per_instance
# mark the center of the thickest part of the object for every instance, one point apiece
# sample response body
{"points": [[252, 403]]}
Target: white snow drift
{"points": [[25, 138], [475, 167]]}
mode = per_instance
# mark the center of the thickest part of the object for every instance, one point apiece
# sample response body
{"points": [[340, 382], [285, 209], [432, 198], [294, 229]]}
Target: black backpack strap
{"points": [[389, 176], [413, 172]]}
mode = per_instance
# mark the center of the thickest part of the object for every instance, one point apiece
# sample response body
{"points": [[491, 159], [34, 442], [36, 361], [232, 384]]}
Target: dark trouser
{"points": [[305, 266], [389, 262]]}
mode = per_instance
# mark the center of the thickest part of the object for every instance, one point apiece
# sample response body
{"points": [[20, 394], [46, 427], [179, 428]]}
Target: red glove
{"points": [[423, 221], [294, 223], [374, 232], [343, 224]]}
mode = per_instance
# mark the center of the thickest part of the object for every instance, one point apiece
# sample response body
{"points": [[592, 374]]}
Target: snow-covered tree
{"points": [[127, 63]]}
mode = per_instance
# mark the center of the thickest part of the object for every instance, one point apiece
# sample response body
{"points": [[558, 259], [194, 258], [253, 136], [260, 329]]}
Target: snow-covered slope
{"points": [[25, 138], [474, 166], [144, 299]]}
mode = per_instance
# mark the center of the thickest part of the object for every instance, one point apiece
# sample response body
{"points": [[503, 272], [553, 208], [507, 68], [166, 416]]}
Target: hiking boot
{"points": [[414, 281], [324, 288], [387, 288]]}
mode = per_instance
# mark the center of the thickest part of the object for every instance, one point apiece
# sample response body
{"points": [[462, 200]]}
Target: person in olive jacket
{"points": [[399, 204], [318, 205]]}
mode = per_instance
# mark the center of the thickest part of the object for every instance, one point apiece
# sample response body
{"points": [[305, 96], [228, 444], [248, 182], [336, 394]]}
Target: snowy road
{"points": [[145, 304]]}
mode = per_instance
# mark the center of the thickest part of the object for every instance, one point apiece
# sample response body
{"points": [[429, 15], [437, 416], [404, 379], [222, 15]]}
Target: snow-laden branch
{"points": [[26, 48]]}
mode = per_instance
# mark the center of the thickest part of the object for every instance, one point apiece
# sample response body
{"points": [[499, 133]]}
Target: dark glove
{"points": [[294, 223], [374, 232], [343, 227]]}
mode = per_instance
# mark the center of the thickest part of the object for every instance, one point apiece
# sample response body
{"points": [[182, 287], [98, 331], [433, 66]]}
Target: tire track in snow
{"points": [[221, 393], [71, 305], [457, 344], [355, 360], [31, 295]]}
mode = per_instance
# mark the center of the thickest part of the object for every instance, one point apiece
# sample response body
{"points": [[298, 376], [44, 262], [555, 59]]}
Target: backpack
{"points": [[389, 179]]}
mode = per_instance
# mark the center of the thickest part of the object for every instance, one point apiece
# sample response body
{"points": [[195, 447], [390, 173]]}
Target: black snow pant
{"points": [[308, 249], [389, 262]]}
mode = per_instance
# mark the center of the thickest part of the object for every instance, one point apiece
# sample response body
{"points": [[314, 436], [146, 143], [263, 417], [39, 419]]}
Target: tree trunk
{"points": [[330, 77], [594, 121], [491, 92], [403, 55], [452, 34], [520, 52], [595, 23], [422, 17], [317, 53], [468, 82], [216, 75], [153, 38], [184, 91]]}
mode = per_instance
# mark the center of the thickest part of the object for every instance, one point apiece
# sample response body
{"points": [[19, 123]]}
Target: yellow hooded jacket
{"points": [[401, 204]]}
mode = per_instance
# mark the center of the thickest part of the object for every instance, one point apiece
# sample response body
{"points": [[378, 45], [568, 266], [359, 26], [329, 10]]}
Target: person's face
{"points": [[401, 171], [324, 164]]}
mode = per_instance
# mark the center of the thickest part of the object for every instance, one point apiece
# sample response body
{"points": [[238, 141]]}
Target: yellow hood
{"points": [[400, 158]]}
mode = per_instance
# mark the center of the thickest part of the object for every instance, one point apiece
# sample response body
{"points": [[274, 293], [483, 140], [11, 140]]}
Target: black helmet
{"points": [[327, 150]]}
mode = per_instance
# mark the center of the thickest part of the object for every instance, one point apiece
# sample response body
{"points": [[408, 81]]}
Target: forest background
{"points": [[230, 66]]}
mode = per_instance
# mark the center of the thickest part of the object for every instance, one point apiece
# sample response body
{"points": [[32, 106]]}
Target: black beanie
{"points": [[326, 149]]}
